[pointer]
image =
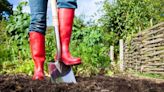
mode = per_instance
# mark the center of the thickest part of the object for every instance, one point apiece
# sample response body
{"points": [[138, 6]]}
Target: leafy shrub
{"points": [[17, 30], [123, 18], [87, 43], [3, 41], [91, 41]]}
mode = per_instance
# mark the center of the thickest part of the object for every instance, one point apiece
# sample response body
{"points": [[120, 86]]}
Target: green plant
{"points": [[123, 18], [146, 75], [9, 67], [3, 41], [17, 30], [87, 43], [6, 9]]}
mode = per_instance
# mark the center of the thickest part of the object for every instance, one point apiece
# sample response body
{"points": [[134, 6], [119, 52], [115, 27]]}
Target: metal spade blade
{"points": [[66, 74]]}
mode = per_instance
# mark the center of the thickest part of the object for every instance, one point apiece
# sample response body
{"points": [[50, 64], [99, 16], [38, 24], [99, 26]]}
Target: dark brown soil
{"points": [[23, 83]]}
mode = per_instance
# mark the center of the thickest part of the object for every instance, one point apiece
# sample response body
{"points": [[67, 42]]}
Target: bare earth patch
{"points": [[23, 83]]}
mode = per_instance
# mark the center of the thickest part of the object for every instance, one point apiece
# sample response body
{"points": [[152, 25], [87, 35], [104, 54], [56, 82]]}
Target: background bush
{"points": [[90, 41]]}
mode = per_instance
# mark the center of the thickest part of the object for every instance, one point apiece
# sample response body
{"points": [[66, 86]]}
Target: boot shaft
{"points": [[66, 17], [37, 46]]}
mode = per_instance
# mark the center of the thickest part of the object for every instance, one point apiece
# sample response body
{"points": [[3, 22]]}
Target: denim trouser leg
{"points": [[39, 10], [67, 4], [38, 15]]}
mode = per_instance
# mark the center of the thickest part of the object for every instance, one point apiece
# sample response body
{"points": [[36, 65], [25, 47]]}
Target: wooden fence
{"points": [[145, 52]]}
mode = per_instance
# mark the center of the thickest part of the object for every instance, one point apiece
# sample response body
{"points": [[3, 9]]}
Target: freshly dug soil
{"points": [[23, 83]]}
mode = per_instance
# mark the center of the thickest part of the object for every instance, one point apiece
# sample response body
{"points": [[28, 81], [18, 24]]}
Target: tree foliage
{"points": [[6, 8], [17, 30], [126, 17], [123, 18]]}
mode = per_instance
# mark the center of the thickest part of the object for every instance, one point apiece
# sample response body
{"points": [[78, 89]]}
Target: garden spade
{"points": [[59, 72]]}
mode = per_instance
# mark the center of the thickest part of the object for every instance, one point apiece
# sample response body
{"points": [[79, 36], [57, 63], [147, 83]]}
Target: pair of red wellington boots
{"points": [[37, 44]]}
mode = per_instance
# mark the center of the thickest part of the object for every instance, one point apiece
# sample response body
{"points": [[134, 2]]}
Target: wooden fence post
{"points": [[112, 53], [121, 55]]}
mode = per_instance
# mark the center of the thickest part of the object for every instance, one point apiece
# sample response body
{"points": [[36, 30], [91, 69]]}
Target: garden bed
{"points": [[23, 83]]}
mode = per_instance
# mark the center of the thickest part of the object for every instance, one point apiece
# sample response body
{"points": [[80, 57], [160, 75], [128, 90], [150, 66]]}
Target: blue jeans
{"points": [[39, 13]]}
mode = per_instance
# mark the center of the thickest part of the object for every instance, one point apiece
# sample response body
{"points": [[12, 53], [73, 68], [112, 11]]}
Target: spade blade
{"points": [[64, 75]]}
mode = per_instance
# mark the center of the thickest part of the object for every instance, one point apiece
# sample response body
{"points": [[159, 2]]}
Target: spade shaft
{"points": [[56, 26]]}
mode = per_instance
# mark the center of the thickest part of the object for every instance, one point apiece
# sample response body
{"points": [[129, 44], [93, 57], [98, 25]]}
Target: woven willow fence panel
{"points": [[145, 52]]}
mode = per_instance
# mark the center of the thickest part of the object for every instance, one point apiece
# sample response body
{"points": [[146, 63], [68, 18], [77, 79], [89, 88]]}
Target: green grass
{"points": [[16, 67], [13, 67], [147, 75]]}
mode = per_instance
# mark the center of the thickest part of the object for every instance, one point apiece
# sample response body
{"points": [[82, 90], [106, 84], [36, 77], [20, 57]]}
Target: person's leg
{"points": [[38, 10], [36, 34], [66, 10]]}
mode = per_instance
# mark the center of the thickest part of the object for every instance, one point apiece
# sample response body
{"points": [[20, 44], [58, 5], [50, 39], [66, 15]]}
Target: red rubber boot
{"points": [[37, 46], [65, 26]]}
